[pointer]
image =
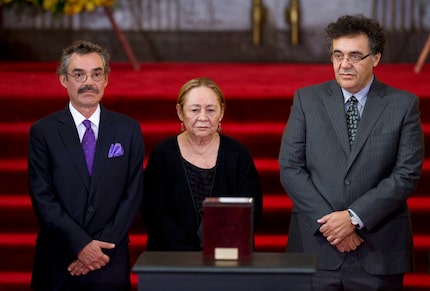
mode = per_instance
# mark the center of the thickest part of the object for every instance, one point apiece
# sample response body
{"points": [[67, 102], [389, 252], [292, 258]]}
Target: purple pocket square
{"points": [[115, 150]]}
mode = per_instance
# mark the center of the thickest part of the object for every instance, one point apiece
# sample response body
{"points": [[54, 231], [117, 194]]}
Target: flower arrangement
{"points": [[67, 7]]}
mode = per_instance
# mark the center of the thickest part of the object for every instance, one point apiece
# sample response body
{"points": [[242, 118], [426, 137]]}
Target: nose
{"points": [[346, 63], [202, 115]]}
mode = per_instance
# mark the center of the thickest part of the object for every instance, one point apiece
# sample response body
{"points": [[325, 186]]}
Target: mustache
{"points": [[88, 88], [347, 72]]}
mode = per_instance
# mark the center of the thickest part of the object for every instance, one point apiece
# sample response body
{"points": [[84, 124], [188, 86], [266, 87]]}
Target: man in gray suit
{"points": [[349, 190]]}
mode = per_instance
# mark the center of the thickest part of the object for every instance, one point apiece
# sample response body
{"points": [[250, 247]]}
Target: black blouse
{"points": [[172, 204], [201, 183]]}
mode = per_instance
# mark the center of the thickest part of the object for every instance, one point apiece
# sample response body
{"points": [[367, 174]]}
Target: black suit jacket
{"points": [[74, 208]]}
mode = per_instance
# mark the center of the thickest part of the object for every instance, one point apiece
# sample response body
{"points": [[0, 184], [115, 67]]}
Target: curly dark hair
{"points": [[82, 47], [354, 25]]}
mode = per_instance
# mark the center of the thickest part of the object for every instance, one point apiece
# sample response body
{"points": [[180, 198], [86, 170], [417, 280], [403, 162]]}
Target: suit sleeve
{"points": [[294, 174], [117, 228], [46, 202], [391, 193]]}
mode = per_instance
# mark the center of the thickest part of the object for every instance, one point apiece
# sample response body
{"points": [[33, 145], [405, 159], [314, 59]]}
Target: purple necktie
{"points": [[89, 145]]}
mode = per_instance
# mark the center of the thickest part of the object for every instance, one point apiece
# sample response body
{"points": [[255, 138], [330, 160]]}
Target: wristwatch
{"points": [[353, 219]]}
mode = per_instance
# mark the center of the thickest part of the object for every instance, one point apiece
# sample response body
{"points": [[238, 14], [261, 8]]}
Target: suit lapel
{"points": [[69, 135], [373, 109], [335, 108], [107, 131]]}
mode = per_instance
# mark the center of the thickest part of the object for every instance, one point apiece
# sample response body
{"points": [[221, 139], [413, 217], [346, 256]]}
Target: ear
{"points": [[376, 59], [63, 80], [222, 112], [179, 112]]}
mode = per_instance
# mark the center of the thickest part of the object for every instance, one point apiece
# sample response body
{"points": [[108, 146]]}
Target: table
{"points": [[188, 271]]}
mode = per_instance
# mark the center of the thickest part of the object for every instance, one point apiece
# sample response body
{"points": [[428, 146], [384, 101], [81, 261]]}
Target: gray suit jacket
{"points": [[374, 178]]}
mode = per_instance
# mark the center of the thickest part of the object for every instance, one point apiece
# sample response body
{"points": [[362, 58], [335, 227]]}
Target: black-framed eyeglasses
{"points": [[82, 77], [352, 58]]}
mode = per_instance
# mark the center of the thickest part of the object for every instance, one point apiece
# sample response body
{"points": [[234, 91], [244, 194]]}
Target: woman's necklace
{"points": [[204, 157], [204, 151]]}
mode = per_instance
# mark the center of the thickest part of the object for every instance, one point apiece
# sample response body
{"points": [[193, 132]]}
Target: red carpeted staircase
{"points": [[258, 96]]}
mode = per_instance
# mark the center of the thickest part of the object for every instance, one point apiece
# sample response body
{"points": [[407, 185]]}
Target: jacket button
{"points": [[347, 182], [90, 209]]}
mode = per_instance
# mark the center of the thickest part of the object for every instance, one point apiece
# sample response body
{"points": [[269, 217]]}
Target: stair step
{"points": [[20, 281], [170, 127], [261, 164], [148, 109], [262, 241], [269, 135], [18, 249], [17, 215], [13, 176], [233, 128], [265, 146], [417, 281], [271, 202]]}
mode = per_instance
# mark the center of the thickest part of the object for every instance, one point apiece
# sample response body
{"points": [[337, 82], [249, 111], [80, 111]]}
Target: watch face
{"points": [[354, 220]]}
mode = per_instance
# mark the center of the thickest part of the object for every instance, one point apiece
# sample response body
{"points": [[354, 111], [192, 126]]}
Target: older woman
{"points": [[199, 162]]}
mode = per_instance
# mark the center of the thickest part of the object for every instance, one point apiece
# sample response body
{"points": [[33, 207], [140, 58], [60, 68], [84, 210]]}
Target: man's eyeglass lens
{"points": [[81, 77], [354, 58]]}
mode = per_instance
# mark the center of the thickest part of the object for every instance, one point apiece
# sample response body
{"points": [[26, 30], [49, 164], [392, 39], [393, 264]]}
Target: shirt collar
{"points": [[360, 95], [78, 117]]}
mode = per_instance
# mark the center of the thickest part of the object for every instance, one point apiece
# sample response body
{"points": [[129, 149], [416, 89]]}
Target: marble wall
{"points": [[219, 30], [221, 15]]}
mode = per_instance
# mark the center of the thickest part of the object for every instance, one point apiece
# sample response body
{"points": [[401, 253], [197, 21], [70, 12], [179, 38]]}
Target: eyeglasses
{"points": [[82, 77], [353, 58]]}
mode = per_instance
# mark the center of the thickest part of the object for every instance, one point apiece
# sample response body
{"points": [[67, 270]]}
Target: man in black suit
{"points": [[85, 208], [350, 187]]}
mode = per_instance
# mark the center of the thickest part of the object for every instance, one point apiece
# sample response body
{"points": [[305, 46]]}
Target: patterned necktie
{"points": [[352, 119], [89, 145]]}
